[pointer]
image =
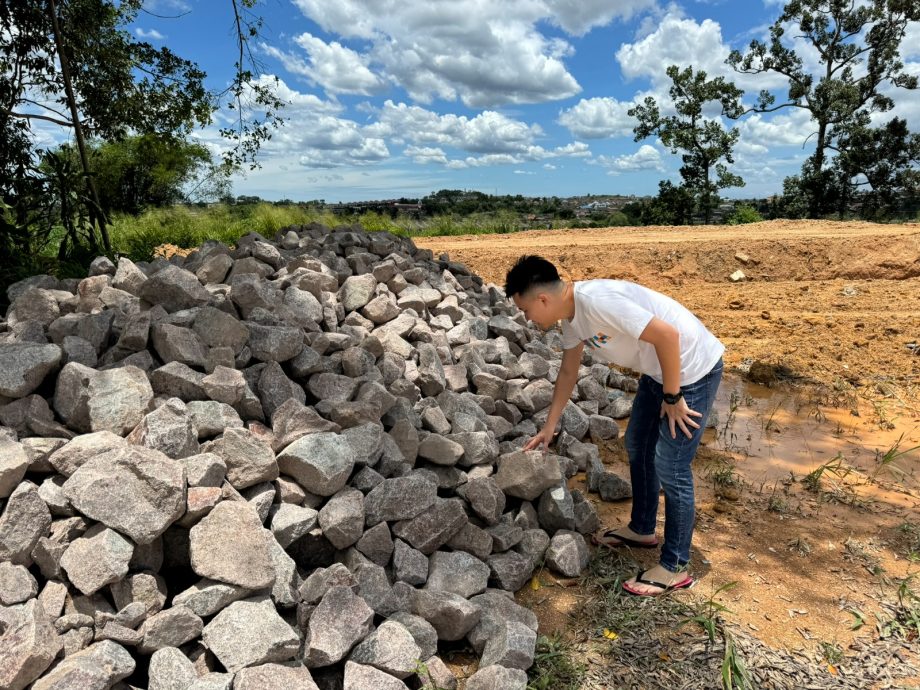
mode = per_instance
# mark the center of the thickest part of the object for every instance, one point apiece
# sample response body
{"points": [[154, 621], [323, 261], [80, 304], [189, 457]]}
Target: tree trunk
{"points": [[95, 213]]}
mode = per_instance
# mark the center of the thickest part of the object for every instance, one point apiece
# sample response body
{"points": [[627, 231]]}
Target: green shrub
{"points": [[744, 214]]}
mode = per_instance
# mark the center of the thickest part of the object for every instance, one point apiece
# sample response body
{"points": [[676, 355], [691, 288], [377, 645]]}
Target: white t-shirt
{"points": [[610, 315]]}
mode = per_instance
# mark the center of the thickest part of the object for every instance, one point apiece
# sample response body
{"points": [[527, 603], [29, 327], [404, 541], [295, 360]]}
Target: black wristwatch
{"points": [[672, 398]]}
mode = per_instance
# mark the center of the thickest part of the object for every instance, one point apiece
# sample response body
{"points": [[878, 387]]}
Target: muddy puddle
{"points": [[778, 434]]}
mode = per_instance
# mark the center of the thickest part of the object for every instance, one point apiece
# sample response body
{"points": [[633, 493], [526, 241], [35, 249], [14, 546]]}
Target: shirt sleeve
{"points": [[622, 314], [569, 339]]}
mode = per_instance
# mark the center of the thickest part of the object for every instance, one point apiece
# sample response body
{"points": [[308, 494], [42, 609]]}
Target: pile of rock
{"points": [[294, 463]]}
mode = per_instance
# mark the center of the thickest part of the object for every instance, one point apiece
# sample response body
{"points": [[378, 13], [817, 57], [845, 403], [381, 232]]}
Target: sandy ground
{"points": [[827, 301], [834, 308]]}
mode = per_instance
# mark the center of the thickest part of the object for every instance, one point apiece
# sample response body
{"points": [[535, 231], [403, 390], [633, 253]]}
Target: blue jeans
{"points": [[658, 461]]}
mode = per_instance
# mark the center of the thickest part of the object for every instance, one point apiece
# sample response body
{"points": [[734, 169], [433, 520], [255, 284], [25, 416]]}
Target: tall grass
{"points": [[138, 236]]}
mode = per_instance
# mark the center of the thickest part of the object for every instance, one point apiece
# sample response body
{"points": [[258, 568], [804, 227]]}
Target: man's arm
{"points": [[666, 340], [565, 383]]}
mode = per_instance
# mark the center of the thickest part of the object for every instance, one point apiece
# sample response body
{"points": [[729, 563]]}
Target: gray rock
{"points": [[169, 429], [98, 667], [423, 632], [314, 588], [128, 276], [16, 584], [505, 534], [526, 475], [76, 349], [115, 400], [440, 450], [340, 621], [433, 527], [249, 460], [533, 545], [29, 644], [512, 646], [342, 518], [479, 447], [205, 469], [399, 498], [485, 498], [217, 328], [568, 553], [170, 669], [612, 487], [213, 418], [291, 522], [207, 597], [556, 509], [99, 557], [497, 678], [213, 681], [390, 648], [360, 677], [224, 385], [268, 676], [498, 608], [232, 527], [275, 388], [73, 455], [24, 521], [14, 461], [174, 289], [451, 615], [274, 343], [214, 269], [147, 588], [472, 539], [357, 291], [602, 428], [250, 632], [287, 580], [376, 543], [176, 344], [148, 489], [509, 569], [332, 387], [321, 463], [169, 628], [23, 366], [177, 380], [457, 572]]}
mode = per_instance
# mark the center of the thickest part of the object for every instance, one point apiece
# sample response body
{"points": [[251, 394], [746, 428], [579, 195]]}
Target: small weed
{"points": [[734, 673], [835, 466], [707, 613], [553, 667], [885, 461], [904, 621], [832, 653]]}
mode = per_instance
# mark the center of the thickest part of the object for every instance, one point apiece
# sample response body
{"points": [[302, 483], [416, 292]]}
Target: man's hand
{"points": [[543, 438], [680, 416]]}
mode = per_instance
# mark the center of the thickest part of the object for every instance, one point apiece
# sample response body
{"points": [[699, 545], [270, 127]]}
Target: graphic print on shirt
{"points": [[596, 341]]}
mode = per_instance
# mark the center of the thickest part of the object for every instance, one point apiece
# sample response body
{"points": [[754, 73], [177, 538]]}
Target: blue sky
{"points": [[396, 98]]}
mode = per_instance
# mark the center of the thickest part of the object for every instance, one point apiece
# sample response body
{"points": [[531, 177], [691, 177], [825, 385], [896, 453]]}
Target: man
{"points": [[681, 365]]}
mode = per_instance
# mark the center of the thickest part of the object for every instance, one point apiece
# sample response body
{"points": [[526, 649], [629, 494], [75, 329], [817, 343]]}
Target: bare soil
{"points": [[830, 316]]}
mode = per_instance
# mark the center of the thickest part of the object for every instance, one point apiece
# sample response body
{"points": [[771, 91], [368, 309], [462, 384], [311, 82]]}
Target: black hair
{"points": [[530, 271]]}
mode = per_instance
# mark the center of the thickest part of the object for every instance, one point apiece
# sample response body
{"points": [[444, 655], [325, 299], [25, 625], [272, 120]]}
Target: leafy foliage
{"points": [[858, 48], [705, 143]]}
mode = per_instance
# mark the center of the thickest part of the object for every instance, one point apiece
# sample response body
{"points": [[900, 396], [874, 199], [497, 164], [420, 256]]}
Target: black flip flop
{"points": [[624, 541], [682, 584]]}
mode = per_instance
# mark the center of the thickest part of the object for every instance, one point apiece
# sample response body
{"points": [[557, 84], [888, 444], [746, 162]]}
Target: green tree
{"points": [[73, 63], [879, 165], [672, 206], [858, 51], [705, 143], [138, 172]]}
